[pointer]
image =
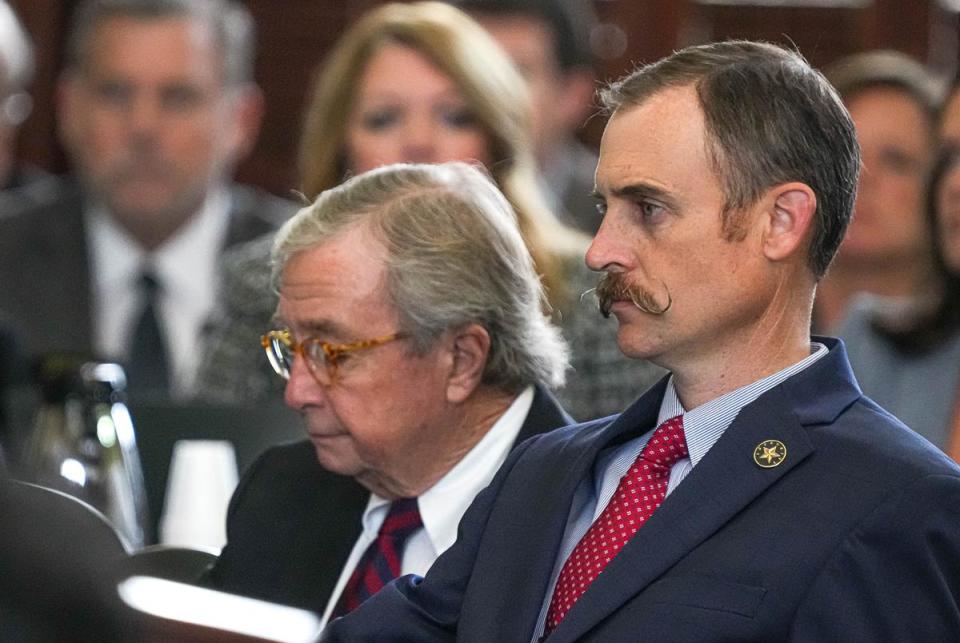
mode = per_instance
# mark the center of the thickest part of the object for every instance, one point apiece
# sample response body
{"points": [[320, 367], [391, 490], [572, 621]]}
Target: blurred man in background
{"points": [[157, 105]]}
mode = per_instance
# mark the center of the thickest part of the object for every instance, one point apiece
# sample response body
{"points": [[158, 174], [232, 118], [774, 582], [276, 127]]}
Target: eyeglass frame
{"points": [[331, 352]]}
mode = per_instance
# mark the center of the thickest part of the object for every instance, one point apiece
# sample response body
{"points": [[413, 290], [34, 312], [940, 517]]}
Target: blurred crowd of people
{"points": [[149, 254], [140, 251], [891, 294]]}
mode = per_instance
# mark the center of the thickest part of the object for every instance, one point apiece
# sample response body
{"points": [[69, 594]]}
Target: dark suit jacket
{"points": [[292, 524], [45, 284], [854, 537]]}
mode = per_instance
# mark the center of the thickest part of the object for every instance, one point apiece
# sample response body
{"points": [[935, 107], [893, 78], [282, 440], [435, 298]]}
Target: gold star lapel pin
{"points": [[770, 453]]}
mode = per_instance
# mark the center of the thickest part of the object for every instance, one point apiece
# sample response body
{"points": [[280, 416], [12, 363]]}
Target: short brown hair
{"points": [[770, 118]]}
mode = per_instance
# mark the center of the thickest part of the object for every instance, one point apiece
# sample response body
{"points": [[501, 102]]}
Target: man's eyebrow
{"points": [[643, 190], [319, 328], [636, 191]]}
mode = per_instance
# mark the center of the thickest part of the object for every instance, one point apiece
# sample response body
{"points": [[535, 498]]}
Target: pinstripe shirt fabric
{"points": [[702, 426]]}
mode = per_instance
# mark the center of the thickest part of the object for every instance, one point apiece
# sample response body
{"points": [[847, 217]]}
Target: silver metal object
{"points": [[83, 443]]}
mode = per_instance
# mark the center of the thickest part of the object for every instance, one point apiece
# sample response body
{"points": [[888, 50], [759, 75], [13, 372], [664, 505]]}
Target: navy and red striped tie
{"points": [[380, 564]]}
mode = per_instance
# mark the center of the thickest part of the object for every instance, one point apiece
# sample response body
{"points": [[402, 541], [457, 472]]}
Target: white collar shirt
{"points": [[442, 505], [186, 267]]}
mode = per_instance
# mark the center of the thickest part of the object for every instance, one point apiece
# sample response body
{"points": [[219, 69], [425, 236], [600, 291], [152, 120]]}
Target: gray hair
{"points": [[454, 256], [770, 118], [229, 21], [16, 49]]}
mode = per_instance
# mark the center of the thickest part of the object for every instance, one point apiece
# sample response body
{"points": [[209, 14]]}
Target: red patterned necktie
{"points": [[640, 492], [380, 563]]}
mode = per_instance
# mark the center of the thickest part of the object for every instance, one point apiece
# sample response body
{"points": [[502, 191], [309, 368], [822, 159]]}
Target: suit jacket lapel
{"points": [[722, 484], [725, 482], [543, 510], [545, 414]]}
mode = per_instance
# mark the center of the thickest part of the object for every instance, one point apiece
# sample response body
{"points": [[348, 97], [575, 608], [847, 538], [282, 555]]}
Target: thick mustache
{"points": [[614, 287]]}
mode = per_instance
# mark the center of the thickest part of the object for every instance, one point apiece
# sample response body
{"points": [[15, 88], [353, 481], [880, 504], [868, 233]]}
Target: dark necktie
{"points": [[380, 564], [641, 490], [147, 369]]}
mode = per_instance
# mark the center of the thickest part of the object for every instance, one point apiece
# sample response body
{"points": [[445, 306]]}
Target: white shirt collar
{"points": [[443, 505], [704, 424], [186, 267], [195, 247]]}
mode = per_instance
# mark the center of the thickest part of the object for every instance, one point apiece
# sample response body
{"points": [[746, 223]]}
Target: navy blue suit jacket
{"points": [[855, 536]]}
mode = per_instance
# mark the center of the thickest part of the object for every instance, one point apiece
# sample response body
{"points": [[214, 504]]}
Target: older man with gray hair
{"points": [[412, 333]]}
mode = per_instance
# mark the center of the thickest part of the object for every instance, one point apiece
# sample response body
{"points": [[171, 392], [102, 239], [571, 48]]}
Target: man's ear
{"points": [[790, 219], [470, 349]]}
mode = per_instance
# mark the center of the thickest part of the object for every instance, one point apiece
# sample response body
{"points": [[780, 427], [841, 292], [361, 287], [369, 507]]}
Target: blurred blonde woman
{"points": [[423, 83], [345, 133]]}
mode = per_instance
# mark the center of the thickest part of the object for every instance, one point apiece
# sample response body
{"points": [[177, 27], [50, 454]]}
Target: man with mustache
{"points": [[156, 106], [614, 287], [754, 494]]}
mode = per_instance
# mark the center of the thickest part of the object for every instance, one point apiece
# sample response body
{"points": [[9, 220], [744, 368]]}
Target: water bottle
{"points": [[83, 442]]}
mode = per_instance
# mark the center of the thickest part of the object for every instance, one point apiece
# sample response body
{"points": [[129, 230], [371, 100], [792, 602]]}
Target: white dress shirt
{"points": [[442, 505], [186, 268], [702, 427]]}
